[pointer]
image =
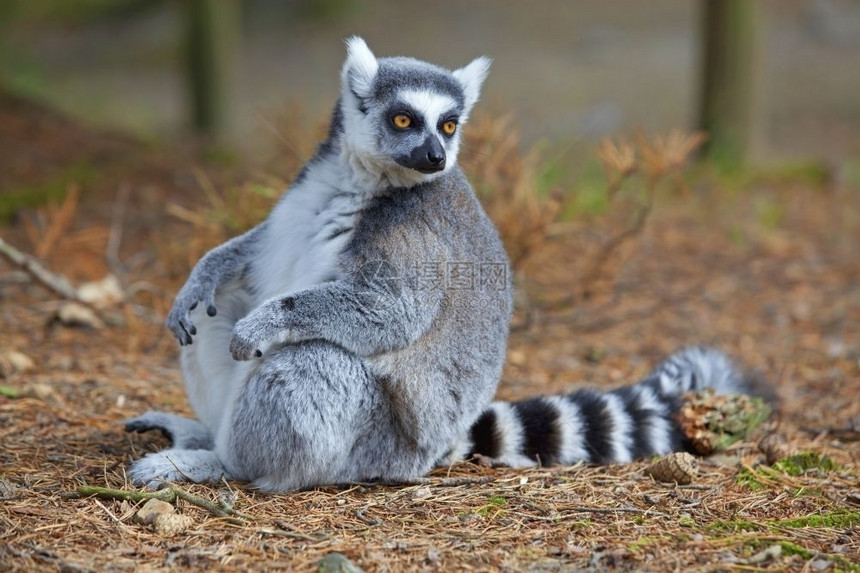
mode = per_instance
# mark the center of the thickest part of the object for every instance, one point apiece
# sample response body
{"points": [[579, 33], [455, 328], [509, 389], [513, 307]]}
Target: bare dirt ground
{"points": [[766, 269]]}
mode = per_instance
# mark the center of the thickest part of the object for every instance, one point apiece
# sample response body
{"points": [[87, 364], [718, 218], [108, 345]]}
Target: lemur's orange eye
{"points": [[449, 127], [402, 121]]}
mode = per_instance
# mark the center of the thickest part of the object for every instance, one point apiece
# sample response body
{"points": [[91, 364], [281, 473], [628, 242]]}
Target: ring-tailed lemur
{"points": [[359, 332]]}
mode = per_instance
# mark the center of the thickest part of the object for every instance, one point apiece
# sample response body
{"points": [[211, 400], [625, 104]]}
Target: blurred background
{"points": [[137, 134], [568, 71]]}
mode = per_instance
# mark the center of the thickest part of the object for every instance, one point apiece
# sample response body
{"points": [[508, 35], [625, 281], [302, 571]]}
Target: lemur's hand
{"points": [[270, 323], [252, 334], [193, 293]]}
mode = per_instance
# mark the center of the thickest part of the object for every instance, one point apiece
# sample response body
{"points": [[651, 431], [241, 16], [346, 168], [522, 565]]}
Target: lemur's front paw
{"points": [[179, 319], [269, 324], [251, 336], [244, 349]]}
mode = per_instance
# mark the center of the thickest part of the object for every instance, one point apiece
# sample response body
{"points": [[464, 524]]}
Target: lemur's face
{"points": [[418, 129], [402, 116]]}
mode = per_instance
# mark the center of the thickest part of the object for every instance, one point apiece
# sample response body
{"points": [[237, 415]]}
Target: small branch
{"points": [[213, 508], [169, 495], [294, 535], [288, 530], [583, 508], [57, 284], [107, 493]]}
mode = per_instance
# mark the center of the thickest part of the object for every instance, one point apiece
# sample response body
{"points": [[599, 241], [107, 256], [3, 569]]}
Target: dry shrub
{"points": [[52, 222], [634, 167], [506, 180], [76, 253], [225, 214], [528, 217]]}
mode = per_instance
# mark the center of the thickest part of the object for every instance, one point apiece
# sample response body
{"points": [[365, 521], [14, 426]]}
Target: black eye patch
{"points": [[450, 117], [402, 108]]}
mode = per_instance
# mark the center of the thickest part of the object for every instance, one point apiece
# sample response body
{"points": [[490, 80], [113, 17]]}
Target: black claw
{"points": [[211, 310], [188, 339], [258, 353], [193, 305], [193, 330]]}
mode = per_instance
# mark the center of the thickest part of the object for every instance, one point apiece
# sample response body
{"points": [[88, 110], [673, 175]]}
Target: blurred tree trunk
{"points": [[212, 30], [729, 55]]}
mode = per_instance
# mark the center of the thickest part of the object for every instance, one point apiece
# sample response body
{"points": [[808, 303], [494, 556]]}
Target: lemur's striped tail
{"points": [[631, 422]]}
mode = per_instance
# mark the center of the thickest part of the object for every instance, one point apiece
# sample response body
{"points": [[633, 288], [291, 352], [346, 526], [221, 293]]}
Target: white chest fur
{"points": [[305, 233]]}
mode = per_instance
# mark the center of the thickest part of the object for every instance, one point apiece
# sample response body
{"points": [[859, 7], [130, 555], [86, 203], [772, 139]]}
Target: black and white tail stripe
{"points": [[631, 422]]}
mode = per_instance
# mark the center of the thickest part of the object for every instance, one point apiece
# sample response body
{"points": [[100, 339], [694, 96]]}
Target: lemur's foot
{"points": [[174, 465]]}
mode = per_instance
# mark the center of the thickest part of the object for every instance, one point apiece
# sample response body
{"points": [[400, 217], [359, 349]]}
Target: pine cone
{"points": [[676, 467], [712, 422], [168, 524]]}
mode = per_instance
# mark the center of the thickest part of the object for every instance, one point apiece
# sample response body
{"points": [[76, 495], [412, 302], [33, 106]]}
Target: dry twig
{"points": [[170, 495], [57, 284]]}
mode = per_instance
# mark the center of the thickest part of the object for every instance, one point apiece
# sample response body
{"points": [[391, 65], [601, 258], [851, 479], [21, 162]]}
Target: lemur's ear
{"points": [[472, 77], [359, 69]]}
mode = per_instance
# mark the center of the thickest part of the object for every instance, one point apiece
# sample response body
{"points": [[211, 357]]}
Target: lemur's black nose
{"points": [[429, 157], [435, 157]]}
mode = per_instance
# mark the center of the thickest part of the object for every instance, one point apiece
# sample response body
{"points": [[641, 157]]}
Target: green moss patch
{"points": [[799, 464]]}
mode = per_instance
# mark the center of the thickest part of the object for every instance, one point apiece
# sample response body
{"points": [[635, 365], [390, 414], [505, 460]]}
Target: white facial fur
{"points": [[429, 104], [432, 106]]}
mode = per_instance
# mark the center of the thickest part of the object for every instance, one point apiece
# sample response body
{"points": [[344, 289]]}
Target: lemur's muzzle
{"points": [[429, 157]]}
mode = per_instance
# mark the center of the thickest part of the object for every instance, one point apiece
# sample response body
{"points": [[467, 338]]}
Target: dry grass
{"points": [[603, 517], [783, 300]]}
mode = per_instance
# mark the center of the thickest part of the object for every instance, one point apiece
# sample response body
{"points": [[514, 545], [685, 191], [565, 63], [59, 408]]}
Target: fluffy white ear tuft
{"points": [[472, 77], [360, 67]]}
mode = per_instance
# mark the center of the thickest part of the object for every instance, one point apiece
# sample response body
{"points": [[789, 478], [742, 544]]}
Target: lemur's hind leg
{"points": [[314, 414], [183, 433]]}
